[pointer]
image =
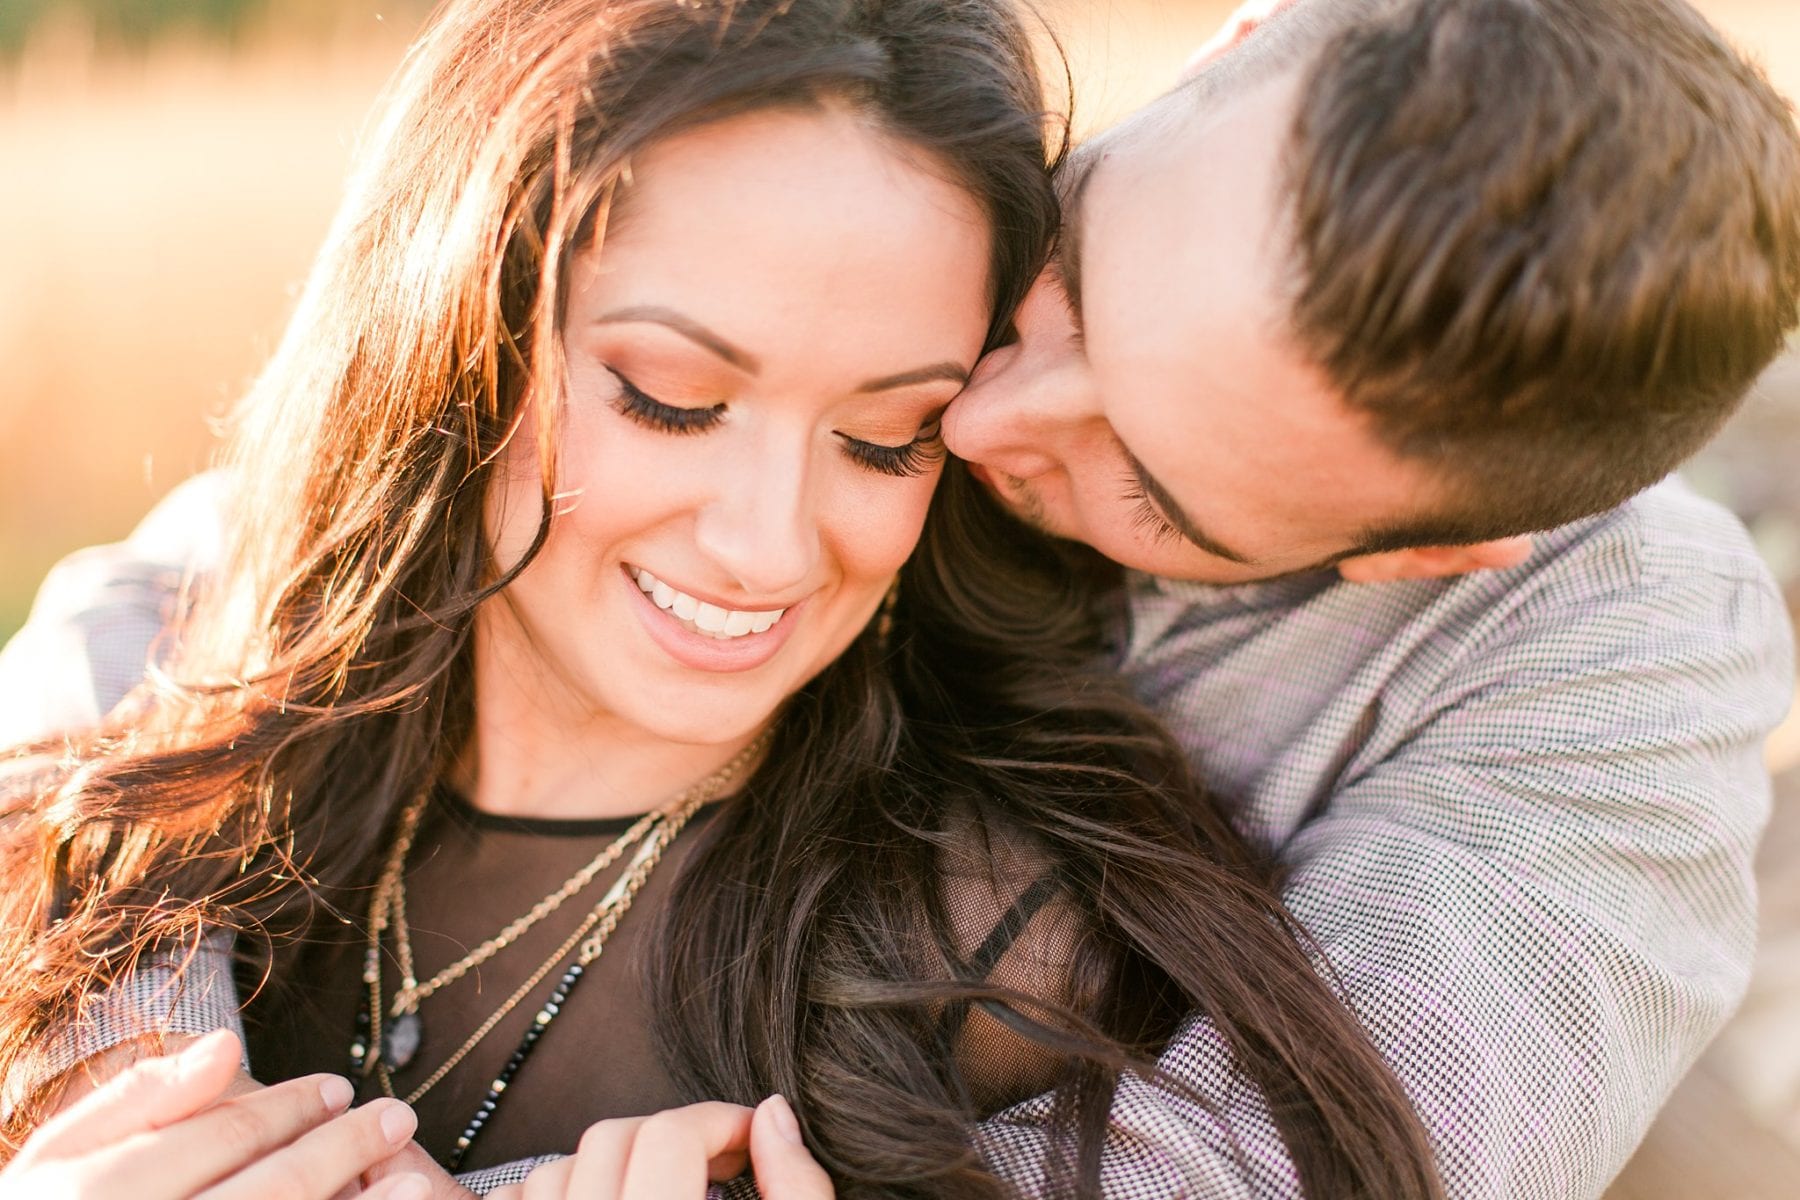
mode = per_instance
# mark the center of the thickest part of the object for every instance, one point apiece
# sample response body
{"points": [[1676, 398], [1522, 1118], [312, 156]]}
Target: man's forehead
{"points": [[1177, 145], [1184, 229]]}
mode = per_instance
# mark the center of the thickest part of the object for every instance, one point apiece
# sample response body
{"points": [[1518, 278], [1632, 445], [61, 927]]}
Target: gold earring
{"points": [[884, 619]]}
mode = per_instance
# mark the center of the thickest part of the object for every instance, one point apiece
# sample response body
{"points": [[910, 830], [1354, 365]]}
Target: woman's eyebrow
{"points": [[688, 328], [748, 363], [937, 372]]}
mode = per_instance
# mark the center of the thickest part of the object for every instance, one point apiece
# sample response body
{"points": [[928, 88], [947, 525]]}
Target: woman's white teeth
{"points": [[705, 618]]}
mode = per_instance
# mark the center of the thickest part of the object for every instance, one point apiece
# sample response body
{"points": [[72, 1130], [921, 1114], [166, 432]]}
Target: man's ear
{"points": [[1435, 562], [1238, 26]]}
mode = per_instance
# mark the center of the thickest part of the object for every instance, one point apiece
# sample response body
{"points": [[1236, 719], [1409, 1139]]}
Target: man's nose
{"points": [[1017, 413], [760, 526]]}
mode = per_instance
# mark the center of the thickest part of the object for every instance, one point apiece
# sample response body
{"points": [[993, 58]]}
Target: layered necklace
{"points": [[389, 1031]]}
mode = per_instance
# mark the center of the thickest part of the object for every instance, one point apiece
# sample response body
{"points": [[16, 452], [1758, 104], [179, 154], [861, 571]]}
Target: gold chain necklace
{"points": [[590, 934], [411, 991], [372, 1051]]}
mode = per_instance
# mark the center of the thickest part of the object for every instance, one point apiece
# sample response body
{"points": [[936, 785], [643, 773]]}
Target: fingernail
{"points": [[782, 1113], [398, 1122], [337, 1092], [200, 1046]]}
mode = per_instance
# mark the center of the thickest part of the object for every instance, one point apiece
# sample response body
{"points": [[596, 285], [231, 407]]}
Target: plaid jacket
{"points": [[1518, 808]]}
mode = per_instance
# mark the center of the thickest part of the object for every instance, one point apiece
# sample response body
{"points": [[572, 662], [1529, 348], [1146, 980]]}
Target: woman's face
{"points": [[757, 363]]}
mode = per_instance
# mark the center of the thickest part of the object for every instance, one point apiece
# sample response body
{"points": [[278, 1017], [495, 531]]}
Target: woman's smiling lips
{"points": [[700, 616], [702, 635]]}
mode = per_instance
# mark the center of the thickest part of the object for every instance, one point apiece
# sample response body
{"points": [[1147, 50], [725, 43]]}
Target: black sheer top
{"points": [[471, 873]]}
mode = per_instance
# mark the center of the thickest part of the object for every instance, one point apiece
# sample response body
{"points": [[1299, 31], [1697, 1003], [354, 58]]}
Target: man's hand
{"points": [[673, 1155], [165, 1130]]}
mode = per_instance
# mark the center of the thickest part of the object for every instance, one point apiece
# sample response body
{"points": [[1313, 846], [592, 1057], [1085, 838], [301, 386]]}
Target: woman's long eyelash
{"points": [[1146, 517], [646, 410], [914, 458]]}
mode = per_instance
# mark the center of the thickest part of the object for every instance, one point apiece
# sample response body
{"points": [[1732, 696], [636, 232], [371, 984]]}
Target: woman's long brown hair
{"points": [[324, 676]]}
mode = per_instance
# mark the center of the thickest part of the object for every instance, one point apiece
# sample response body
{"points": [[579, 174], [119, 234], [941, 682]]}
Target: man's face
{"points": [[1155, 405]]}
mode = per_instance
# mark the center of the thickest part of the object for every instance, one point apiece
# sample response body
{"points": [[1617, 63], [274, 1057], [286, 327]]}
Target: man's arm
{"points": [[192, 997], [94, 626], [1535, 887], [100, 615]]}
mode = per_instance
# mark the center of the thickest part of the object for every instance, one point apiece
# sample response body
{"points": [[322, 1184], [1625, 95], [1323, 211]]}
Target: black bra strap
{"points": [[993, 948]]}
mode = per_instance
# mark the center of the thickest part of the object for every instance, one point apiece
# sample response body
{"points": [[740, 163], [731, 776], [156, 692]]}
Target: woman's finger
{"points": [[400, 1187], [322, 1161], [148, 1095], [785, 1169], [411, 1159], [193, 1154], [675, 1151], [597, 1171], [552, 1181]]}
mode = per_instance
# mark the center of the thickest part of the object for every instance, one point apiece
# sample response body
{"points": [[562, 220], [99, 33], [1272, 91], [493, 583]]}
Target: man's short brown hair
{"points": [[1546, 245]]}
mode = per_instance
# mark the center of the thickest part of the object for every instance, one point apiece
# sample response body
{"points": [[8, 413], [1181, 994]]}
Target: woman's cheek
{"points": [[879, 532], [616, 475]]}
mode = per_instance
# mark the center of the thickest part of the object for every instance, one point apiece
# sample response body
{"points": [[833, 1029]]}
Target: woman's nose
{"points": [[760, 528]]}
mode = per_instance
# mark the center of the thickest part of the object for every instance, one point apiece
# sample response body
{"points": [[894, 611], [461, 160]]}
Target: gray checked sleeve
{"points": [[98, 618], [193, 997], [1529, 862]]}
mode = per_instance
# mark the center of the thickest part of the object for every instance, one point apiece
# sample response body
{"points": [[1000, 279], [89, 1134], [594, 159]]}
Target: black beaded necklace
{"points": [[490, 1103]]}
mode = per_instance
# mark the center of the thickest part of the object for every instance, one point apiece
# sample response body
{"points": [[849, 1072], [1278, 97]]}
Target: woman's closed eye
{"points": [[648, 411], [916, 457]]}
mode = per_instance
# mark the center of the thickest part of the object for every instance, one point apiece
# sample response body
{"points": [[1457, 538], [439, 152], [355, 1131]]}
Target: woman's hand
{"points": [[163, 1131], [91, 1074], [674, 1154]]}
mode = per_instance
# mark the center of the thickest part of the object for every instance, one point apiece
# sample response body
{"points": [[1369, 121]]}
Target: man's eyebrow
{"points": [[1171, 509], [688, 328], [1068, 241]]}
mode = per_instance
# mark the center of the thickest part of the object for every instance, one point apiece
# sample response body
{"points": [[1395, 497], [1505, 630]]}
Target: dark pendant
{"points": [[402, 1041]]}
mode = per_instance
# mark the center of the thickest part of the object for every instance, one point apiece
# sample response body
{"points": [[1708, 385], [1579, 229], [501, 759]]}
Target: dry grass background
{"points": [[160, 206], [158, 210]]}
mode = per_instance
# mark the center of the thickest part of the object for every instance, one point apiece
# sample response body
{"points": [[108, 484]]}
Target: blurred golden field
{"points": [[159, 205]]}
